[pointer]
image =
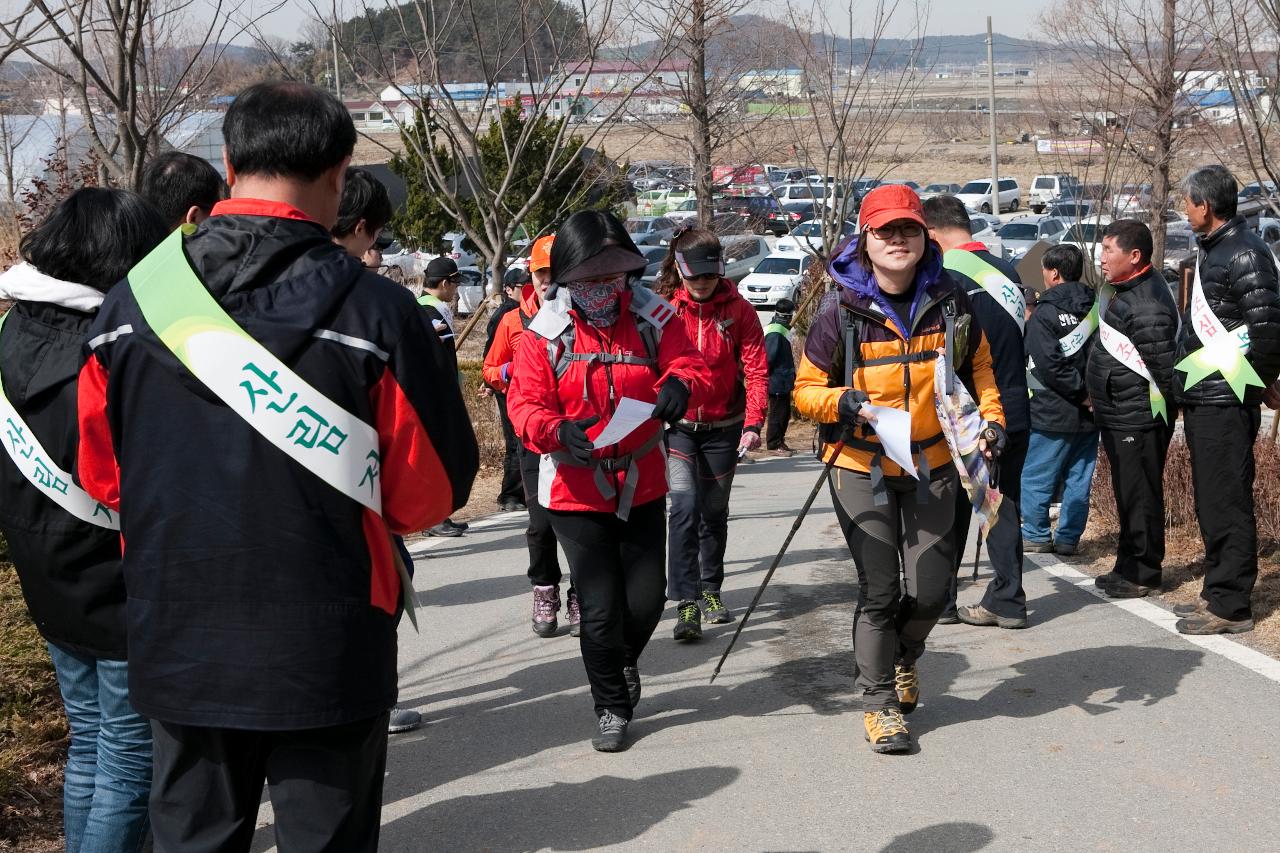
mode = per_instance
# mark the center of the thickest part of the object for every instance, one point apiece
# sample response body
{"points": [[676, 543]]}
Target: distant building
{"points": [[374, 116], [773, 82]]}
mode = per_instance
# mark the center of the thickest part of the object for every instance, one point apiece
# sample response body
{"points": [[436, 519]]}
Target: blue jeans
{"points": [[108, 775], [1052, 458]]}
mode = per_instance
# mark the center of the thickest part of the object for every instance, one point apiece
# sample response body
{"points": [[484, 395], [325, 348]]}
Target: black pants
{"points": [[325, 786], [1220, 439], [779, 419], [902, 552], [616, 567], [544, 560], [512, 488], [700, 468], [1137, 478], [1004, 595]]}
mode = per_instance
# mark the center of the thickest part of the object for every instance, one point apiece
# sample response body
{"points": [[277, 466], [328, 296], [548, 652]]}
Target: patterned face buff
{"points": [[598, 300]]}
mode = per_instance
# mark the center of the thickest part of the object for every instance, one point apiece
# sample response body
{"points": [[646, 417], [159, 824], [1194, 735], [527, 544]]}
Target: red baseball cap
{"points": [[540, 254], [890, 202]]}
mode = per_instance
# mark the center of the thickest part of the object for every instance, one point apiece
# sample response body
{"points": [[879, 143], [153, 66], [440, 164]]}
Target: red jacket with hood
{"points": [[726, 330], [500, 358], [538, 403]]}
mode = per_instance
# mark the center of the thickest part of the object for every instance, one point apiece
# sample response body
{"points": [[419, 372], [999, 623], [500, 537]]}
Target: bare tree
{"points": [[536, 56], [1138, 54], [135, 68]]}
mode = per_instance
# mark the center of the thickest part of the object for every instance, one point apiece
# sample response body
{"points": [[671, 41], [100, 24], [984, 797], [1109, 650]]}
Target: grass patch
{"points": [[33, 729]]}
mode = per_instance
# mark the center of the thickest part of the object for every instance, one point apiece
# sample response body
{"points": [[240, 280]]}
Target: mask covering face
{"points": [[599, 302]]}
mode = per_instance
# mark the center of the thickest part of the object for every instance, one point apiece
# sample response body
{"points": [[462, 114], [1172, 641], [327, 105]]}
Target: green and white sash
{"points": [[1222, 351], [1124, 351], [266, 393], [998, 285], [38, 467]]}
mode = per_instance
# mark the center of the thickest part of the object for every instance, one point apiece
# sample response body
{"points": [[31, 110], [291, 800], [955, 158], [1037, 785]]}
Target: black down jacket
{"points": [[1058, 380], [1238, 274], [1143, 311]]}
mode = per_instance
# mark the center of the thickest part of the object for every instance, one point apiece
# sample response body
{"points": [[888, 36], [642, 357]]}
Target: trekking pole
{"points": [[977, 555], [795, 526]]}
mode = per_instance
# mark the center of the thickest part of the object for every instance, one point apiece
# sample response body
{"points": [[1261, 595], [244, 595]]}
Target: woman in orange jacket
{"points": [[874, 342]]}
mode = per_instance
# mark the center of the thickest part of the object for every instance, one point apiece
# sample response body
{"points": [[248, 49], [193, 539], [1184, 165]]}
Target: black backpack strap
{"points": [[949, 319], [852, 347]]}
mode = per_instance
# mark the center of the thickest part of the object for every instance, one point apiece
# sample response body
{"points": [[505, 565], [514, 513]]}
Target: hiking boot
{"points": [[782, 452], [1207, 623], [546, 603], [613, 733], [1032, 546], [981, 616], [631, 675], [948, 617], [1195, 608], [886, 731], [1104, 581], [714, 610], [573, 612], [403, 720], [1121, 588], [688, 621], [460, 526], [443, 529], [906, 681], [512, 505], [1065, 549]]}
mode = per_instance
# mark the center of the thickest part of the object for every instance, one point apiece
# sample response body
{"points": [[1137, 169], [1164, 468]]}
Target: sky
{"points": [[947, 17]]}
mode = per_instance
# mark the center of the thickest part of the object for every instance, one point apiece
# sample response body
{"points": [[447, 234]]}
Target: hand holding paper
{"points": [[893, 428], [629, 415]]}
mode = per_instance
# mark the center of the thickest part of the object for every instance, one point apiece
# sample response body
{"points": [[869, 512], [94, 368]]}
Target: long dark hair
{"points": [[692, 238], [583, 236], [94, 237]]}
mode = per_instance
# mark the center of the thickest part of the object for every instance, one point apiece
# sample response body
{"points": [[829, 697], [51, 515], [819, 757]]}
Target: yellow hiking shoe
{"points": [[886, 731], [906, 681]]}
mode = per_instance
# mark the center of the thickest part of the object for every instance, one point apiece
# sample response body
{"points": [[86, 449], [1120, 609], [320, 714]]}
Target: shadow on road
{"points": [[958, 837], [603, 811]]}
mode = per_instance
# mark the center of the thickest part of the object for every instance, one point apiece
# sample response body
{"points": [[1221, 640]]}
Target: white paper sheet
{"points": [[630, 414], [893, 428]]}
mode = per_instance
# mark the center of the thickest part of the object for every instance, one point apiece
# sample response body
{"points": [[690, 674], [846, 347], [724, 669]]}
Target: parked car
{"points": [[742, 252], [807, 238], [1045, 188], [801, 192], [1268, 229], [983, 227], [410, 263], [654, 255], [976, 195], [778, 276], [1073, 210], [459, 247], [931, 190], [914, 186], [862, 186], [791, 176], [1179, 247], [1131, 198], [1017, 237], [470, 290], [1087, 236], [762, 212], [684, 213], [1256, 191], [650, 230]]}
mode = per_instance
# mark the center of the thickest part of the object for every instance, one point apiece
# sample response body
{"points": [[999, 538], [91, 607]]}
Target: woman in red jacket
{"points": [[706, 444], [607, 341]]}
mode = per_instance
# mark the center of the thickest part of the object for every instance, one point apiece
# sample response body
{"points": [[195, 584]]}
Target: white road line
{"points": [[1264, 665]]}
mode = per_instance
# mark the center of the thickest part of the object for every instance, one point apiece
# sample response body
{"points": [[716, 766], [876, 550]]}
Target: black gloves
{"points": [[673, 400], [850, 408], [996, 438], [573, 435]]}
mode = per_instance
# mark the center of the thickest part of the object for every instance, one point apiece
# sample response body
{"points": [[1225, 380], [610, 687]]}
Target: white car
{"points": [[1131, 198], [983, 228], [1045, 188], [1087, 237], [1019, 236], [976, 195], [807, 237], [684, 212], [800, 192], [779, 276], [409, 262]]}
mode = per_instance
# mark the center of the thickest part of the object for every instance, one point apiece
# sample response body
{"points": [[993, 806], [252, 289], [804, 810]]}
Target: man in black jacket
{"points": [[1130, 379], [782, 376], [999, 310], [1234, 316], [1064, 439], [287, 413]]}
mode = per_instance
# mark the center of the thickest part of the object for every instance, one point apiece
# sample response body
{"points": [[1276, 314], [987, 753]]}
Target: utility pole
{"points": [[995, 156]]}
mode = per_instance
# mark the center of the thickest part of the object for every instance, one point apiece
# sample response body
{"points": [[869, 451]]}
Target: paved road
{"points": [[1093, 730]]}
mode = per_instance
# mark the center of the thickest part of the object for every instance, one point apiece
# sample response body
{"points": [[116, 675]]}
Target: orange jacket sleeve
{"points": [[498, 360]]}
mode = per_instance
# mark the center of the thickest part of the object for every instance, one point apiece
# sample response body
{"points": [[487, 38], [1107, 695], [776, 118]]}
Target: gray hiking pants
{"points": [[904, 539]]}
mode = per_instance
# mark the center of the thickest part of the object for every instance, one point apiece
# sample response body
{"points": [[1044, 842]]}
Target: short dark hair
{"points": [[1066, 259], [946, 211], [1216, 185], [94, 237], [176, 181], [363, 197], [1131, 234], [287, 129], [583, 236]]}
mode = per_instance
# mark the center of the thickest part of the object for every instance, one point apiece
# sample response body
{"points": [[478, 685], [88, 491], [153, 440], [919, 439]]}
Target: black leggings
{"points": [[544, 559], [700, 467], [617, 568]]}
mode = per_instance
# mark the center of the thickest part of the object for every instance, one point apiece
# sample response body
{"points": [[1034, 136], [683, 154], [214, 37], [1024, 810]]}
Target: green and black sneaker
{"points": [[688, 621], [713, 608]]}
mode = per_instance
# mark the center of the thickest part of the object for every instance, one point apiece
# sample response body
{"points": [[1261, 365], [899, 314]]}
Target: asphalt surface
{"points": [[1092, 730]]}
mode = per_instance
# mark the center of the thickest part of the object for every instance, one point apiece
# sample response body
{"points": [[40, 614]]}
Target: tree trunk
{"points": [[1166, 106], [699, 110]]}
